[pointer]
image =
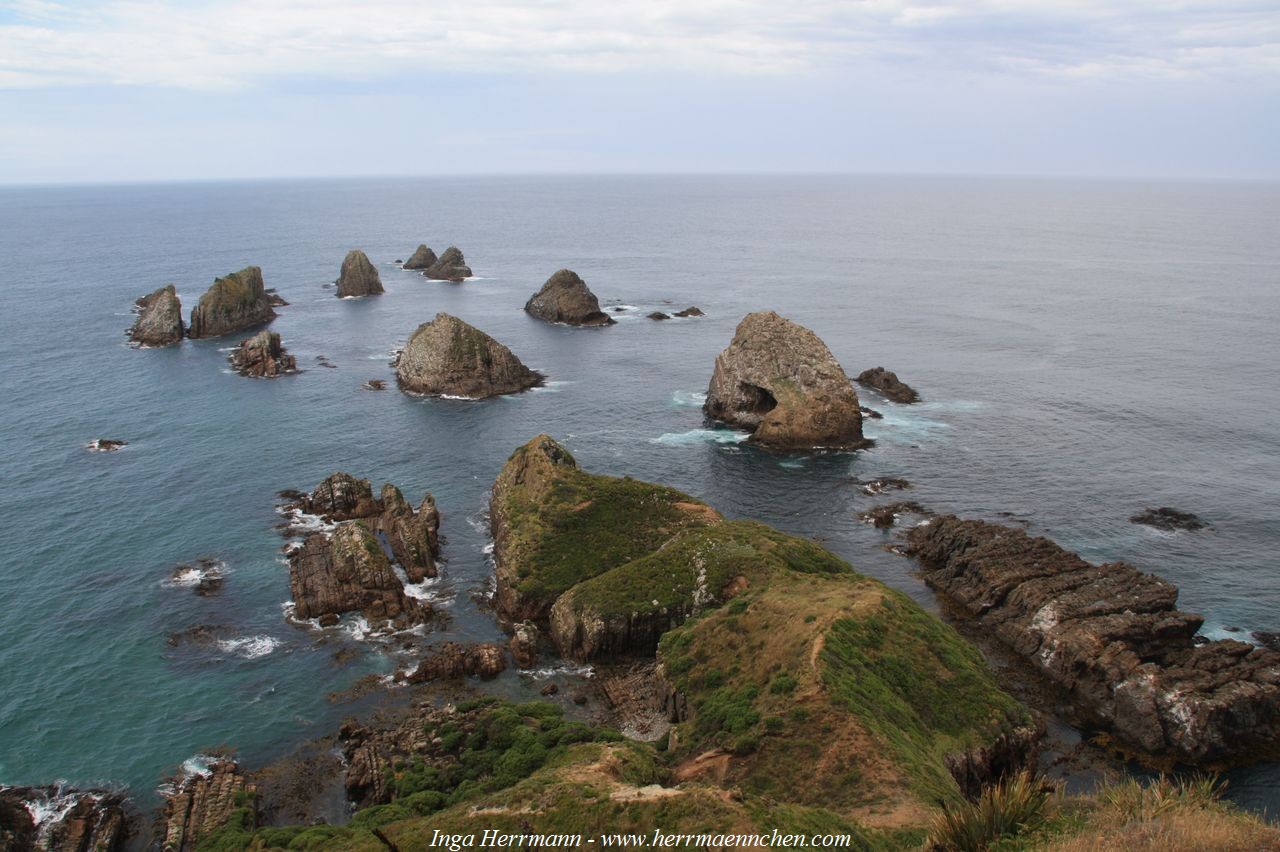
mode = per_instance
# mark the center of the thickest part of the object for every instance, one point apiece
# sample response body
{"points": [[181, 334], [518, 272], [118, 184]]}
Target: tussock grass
{"points": [[1018, 805]]}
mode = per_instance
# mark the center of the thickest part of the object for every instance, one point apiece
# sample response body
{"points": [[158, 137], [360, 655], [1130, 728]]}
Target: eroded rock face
{"points": [[201, 804], [1114, 640], [887, 384], [524, 644], [413, 536], [451, 266], [566, 299], [779, 380], [159, 321], [359, 277], [451, 660], [234, 303], [90, 820], [348, 572], [451, 358], [422, 258], [263, 356]]}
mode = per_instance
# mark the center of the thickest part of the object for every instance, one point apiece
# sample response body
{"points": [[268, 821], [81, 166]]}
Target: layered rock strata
{"points": [[779, 380], [1113, 639]]}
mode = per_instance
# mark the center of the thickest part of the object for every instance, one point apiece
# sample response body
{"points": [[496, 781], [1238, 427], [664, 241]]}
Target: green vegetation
{"points": [[918, 686], [580, 525], [1014, 807]]}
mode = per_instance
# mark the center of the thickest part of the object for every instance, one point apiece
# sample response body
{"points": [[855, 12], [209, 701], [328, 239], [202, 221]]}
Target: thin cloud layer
{"points": [[228, 44]]}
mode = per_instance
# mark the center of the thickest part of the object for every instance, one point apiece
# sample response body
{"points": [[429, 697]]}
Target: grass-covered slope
{"points": [[626, 609], [554, 525], [833, 690]]}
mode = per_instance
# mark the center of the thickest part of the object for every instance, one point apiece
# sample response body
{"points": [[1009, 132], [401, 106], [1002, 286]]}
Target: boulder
{"points": [[659, 315], [233, 303], [881, 484], [1167, 519], [359, 277], [374, 384], [691, 311], [448, 357], [159, 321], [886, 384], [779, 380], [566, 299], [106, 445], [451, 266], [262, 356], [1113, 639], [422, 258]]}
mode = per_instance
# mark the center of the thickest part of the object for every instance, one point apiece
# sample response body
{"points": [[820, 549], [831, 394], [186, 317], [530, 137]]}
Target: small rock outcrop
{"points": [[524, 644], [448, 357], [200, 804], [72, 820], [262, 356], [105, 445], [691, 311], [779, 380], [451, 660], [422, 258], [882, 484], [233, 303], [566, 299], [884, 517], [887, 384], [1168, 519], [348, 572], [159, 321], [374, 384], [1113, 639], [359, 277], [451, 266], [659, 315]]}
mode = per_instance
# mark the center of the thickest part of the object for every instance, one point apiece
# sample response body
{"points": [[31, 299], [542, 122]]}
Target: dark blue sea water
{"points": [[1084, 350]]}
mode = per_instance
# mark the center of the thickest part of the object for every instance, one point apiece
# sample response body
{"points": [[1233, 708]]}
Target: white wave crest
{"points": [[249, 647], [701, 436]]}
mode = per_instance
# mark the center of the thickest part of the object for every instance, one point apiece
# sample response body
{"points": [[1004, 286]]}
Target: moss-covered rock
{"points": [[233, 303], [555, 525], [159, 321]]}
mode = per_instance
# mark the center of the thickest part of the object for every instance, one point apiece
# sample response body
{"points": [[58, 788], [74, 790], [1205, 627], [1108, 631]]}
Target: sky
{"points": [[144, 90]]}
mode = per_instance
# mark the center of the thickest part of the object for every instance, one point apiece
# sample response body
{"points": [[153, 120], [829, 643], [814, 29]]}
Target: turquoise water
{"points": [[1084, 350]]}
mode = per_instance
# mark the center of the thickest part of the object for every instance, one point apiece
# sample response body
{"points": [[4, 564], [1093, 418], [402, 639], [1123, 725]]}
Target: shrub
{"points": [[1015, 806]]}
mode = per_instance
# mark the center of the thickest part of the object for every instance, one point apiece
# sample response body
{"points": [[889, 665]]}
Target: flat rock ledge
{"points": [[886, 383], [358, 277], [159, 321], [351, 568], [262, 356], [779, 380], [233, 303], [1114, 640], [565, 298], [448, 357]]}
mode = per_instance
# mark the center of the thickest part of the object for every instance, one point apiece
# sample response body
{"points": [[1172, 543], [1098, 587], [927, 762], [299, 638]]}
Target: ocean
{"points": [[1084, 350]]}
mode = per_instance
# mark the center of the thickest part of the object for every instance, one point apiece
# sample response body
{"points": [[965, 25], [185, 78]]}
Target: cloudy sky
{"points": [[108, 90]]}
